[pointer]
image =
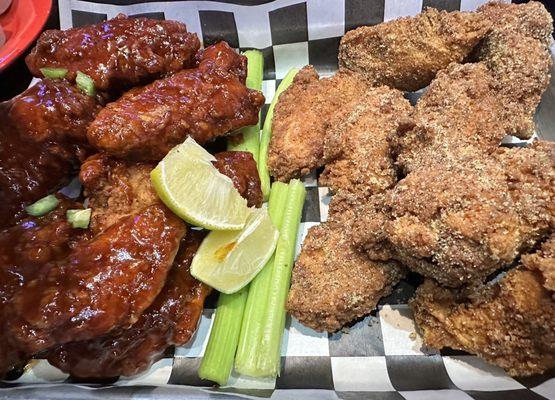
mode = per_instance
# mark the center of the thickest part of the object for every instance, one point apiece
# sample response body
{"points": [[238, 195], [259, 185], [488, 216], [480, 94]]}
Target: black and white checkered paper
{"points": [[379, 357]]}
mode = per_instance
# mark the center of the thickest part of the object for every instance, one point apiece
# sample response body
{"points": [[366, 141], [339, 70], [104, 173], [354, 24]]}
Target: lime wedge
{"points": [[188, 183], [229, 260]]}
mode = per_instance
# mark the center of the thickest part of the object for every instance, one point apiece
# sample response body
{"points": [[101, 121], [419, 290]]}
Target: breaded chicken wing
{"points": [[171, 320], [510, 323], [517, 51], [103, 284], [543, 261], [42, 140], [458, 222], [204, 103], [302, 117], [459, 114], [407, 53], [333, 283], [117, 53], [356, 148]]}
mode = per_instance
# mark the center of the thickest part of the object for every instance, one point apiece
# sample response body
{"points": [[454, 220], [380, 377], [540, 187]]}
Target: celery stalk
{"points": [[253, 319], [218, 358], [248, 138], [222, 344], [269, 354], [267, 134], [264, 318]]}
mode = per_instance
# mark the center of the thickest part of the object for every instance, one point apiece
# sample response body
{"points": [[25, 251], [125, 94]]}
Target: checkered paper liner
{"points": [[378, 357]]}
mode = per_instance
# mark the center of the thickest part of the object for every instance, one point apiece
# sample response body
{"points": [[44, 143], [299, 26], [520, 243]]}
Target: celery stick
{"points": [[253, 319], [220, 351], [267, 134], [269, 351], [42, 206], [218, 358], [248, 138]]}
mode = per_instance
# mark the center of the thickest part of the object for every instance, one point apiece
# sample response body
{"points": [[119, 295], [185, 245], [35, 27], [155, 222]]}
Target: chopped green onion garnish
{"points": [[79, 218], [42, 206], [85, 83], [54, 73], [267, 134]]}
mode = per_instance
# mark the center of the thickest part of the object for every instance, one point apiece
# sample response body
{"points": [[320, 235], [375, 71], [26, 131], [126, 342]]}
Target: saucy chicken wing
{"points": [[334, 283], [407, 53], [303, 115], [117, 188], [117, 53], [171, 320], [510, 323], [104, 283], [42, 140], [204, 103], [24, 249]]}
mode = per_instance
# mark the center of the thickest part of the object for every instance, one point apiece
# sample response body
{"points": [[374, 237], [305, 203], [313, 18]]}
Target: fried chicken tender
{"points": [[459, 222], [407, 53], [356, 148], [104, 283], [510, 323], [460, 114], [204, 103], [117, 53], [333, 283], [518, 54], [302, 117], [171, 320]]}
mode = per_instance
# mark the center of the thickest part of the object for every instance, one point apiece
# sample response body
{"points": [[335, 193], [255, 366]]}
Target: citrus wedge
{"points": [[229, 260], [188, 183]]}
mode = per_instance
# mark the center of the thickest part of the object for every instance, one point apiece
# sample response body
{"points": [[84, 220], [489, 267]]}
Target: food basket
{"points": [[378, 357]]}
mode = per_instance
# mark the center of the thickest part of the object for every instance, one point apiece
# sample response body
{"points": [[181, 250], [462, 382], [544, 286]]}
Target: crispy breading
{"points": [[510, 323], [115, 189], [302, 117], [544, 261], [457, 222], [517, 53], [530, 19], [356, 148], [459, 114], [408, 52], [333, 283]]}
